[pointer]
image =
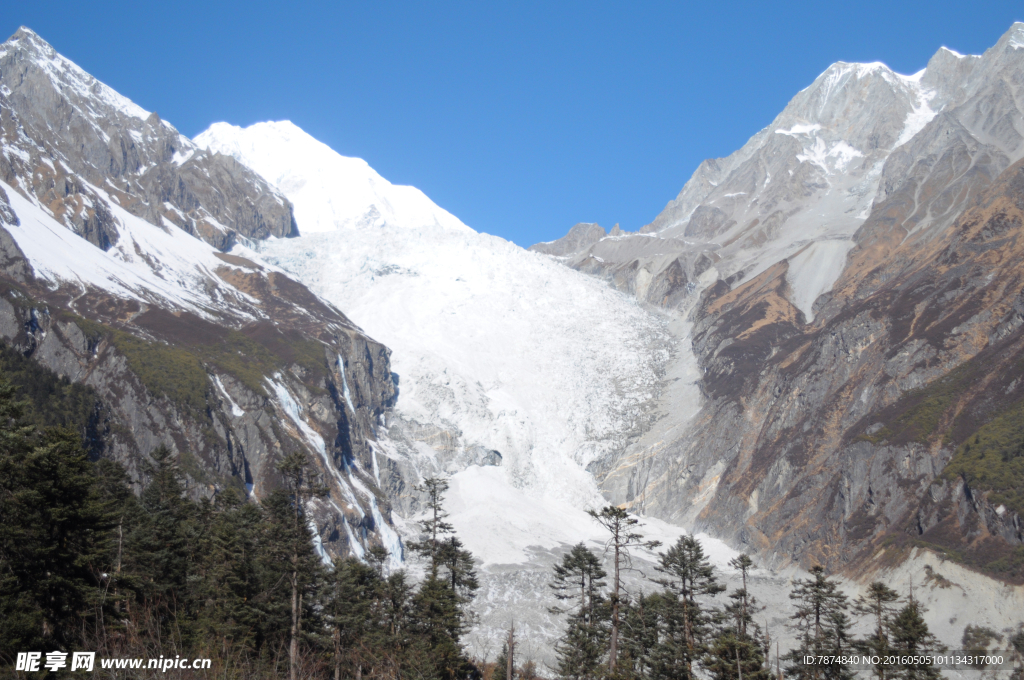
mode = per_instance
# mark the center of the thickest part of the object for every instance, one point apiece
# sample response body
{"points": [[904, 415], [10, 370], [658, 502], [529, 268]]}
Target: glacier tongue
{"points": [[502, 354], [501, 348]]}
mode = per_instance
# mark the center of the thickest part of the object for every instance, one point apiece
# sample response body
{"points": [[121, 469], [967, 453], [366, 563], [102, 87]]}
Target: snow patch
{"points": [[830, 158], [236, 410], [344, 388], [294, 411], [799, 130], [918, 117], [814, 270], [177, 272]]}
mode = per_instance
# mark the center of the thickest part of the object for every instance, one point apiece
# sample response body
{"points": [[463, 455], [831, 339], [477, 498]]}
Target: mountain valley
{"points": [[814, 354]]}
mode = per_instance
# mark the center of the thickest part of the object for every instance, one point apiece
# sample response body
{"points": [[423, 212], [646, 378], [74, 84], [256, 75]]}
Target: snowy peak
{"points": [[330, 191], [65, 131]]}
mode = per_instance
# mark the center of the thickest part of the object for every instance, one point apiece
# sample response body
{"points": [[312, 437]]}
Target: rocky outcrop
{"points": [[579, 237]]}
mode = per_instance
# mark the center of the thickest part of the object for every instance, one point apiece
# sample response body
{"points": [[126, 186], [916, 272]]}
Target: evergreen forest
{"points": [[88, 564]]}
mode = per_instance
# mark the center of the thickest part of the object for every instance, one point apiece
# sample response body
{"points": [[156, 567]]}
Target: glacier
{"points": [[503, 349]]}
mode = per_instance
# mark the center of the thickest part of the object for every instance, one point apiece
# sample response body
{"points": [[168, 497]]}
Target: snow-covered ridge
{"points": [[342, 192], [62, 70], [148, 264], [502, 349]]}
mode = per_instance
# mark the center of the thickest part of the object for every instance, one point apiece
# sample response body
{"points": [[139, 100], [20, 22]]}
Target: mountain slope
{"points": [[503, 356], [851, 279], [113, 274]]}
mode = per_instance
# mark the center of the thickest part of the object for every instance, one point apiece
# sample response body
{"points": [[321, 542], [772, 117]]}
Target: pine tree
{"points": [[350, 610], [879, 603], [21, 614], [688, 576], [301, 485], [578, 582], [910, 637], [157, 556], [435, 527], [623, 536], [641, 631], [505, 664], [229, 586], [399, 647], [822, 627], [56, 517], [53, 535], [737, 651], [441, 604]]}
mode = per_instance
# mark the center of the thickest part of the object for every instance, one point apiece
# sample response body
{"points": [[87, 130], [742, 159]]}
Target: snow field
{"points": [[501, 348]]}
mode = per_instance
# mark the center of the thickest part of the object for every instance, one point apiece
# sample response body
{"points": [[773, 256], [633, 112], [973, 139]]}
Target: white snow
{"points": [[344, 385], [1017, 35], [834, 158], [343, 192], [920, 116], [802, 129], [177, 271], [236, 410], [294, 411], [503, 348], [813, 271]]}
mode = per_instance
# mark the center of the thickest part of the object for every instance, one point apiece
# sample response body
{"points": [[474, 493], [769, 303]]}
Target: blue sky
{"points": [[520, 118]]}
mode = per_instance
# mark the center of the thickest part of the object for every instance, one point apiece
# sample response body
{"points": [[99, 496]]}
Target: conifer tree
{"points": [[53, 535], [21, 613], [442, 602], [911, 637], [578, 582], [737, 651], [354, 587], [821, 625], [301, 485], [879, 603], [641, 633], [623, 536], [505, 664], [230, 586], [688, 576], [435, 527]]}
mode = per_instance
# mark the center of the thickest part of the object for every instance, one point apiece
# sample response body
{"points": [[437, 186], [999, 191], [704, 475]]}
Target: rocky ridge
{"points": [[850, 276], [116, 273]]}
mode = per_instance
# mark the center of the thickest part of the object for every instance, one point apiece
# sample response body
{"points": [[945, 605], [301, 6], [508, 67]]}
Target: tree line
{"points": [[679, 632], [88, 565]]}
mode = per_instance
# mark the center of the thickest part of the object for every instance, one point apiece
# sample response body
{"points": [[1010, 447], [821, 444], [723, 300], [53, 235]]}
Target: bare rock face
{"points": [[84, 135], [579, 237], [112, 273], [852, 289]]}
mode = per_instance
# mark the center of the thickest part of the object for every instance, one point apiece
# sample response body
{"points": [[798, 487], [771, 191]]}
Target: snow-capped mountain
{"points": [[515, 373], [757, 370], [504, 357], [855, 260], [113, 273], [342, 193]]}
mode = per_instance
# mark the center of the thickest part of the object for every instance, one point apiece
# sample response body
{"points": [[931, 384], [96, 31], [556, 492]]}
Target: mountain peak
{"points": [[27, 46], [305, 170], [1015, 36]]}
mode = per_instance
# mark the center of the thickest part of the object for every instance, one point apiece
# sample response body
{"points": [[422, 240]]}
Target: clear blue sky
{"points": [[520, 118]]}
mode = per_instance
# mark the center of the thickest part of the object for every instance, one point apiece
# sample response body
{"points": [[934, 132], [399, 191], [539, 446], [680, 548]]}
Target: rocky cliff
{"points": [[115, 272], [852, 287]]}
